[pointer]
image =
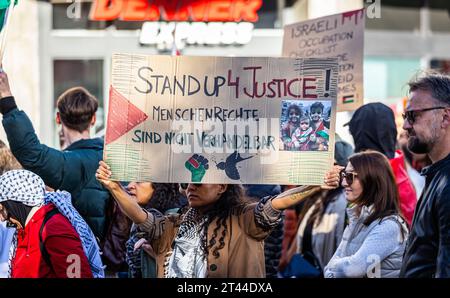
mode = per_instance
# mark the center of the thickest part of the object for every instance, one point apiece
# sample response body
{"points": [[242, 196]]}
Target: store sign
{"points": [[181, 10], [164, 35]]}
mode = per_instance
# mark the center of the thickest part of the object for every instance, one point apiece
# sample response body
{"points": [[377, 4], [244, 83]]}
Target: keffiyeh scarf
{"points": [[28, 188], [188, 259]]}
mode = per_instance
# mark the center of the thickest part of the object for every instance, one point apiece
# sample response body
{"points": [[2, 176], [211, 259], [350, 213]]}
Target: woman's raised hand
{"points": [[103, 175], [332, 178]]}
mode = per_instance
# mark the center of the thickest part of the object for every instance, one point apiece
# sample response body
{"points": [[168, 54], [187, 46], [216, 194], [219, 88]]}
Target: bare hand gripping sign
{"points": [[221, 120], [341, 36]]}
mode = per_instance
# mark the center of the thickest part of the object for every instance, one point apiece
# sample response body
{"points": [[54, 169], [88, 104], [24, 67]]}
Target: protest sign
{"points": [[341, 36], [220, 119]]}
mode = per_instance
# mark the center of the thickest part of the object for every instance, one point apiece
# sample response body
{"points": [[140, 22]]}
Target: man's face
{"points": [[294, 115], [425, 130], [316, 114]]}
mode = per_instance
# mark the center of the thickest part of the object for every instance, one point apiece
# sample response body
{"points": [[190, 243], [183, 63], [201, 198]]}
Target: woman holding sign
{"points": [[218, 234]]}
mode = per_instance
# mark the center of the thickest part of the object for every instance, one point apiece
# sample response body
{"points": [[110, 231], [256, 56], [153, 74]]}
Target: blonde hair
{"points": [[7, 160]]}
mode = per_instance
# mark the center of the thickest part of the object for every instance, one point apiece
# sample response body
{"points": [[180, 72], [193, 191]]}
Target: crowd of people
{"points": [[374, 215]]}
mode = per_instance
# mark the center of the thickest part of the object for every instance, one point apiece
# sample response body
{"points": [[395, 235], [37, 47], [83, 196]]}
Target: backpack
{"points": [[44, 252]]}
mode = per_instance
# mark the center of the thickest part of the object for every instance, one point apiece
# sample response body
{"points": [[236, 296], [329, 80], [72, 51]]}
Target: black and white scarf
{"points": [[28, 188]]}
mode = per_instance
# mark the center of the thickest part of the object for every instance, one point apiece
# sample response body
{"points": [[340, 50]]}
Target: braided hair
{"points": [[165, 196], [230, 202]]}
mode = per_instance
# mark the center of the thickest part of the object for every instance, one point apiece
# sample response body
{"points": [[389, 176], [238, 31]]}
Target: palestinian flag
{"points": [[4, 11]]}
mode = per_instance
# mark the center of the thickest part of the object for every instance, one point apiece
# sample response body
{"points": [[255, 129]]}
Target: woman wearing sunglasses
{"points": [[374, 240], [218, 234], [163, 197]]}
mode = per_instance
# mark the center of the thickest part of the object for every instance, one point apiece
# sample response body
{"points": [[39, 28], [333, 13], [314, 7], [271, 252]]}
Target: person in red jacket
{"points": [[52, 239], [373, 127]]}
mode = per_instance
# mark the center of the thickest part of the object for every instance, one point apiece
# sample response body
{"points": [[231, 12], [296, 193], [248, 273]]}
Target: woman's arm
{"points": [[266, 213], [294, 196], [128, 205]]}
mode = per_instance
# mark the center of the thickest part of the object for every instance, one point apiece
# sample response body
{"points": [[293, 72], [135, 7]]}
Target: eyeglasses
{"points": [[410, 116], [348, 176]]}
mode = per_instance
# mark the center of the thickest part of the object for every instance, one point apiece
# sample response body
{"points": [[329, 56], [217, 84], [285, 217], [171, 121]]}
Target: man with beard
{"points": [[427, 122], [414, 163], [373, 128]]}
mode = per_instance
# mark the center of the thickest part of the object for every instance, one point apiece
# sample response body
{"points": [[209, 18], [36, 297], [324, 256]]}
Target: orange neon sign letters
{"points": [[178, 11]]}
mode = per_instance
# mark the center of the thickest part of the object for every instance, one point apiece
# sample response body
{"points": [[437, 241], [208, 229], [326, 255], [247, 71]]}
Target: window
{"points": [[85, 73], [440, 65], [395, 18]]}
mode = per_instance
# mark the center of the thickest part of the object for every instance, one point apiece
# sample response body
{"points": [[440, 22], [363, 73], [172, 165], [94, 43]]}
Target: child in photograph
{"points": [[294, 113], [301, 138], [322, 138], [318, 124]]}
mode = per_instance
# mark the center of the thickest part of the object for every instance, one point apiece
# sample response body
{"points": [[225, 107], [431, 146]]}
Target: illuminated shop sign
{"points": [[178, 11], [199, 33], [184, 22]]}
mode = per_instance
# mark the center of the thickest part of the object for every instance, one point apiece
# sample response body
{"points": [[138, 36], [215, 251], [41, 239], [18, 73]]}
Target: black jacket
{"points": [[72, 170], [428, 250]]}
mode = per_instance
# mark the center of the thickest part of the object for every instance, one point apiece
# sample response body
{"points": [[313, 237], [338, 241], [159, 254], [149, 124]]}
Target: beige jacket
{"points": [[243, 254]]}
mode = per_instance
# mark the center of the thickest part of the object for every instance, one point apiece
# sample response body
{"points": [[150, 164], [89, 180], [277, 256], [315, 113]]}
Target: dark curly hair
{"points": [[317, 105], [232, 201], [165, 196], [296, 108]]}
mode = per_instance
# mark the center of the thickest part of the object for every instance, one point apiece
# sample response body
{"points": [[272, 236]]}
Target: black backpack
{"points": [[44, 252]]}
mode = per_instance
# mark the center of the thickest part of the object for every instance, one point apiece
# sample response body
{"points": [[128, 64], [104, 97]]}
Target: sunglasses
{"points": [[348, 176], [410, 116]]}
